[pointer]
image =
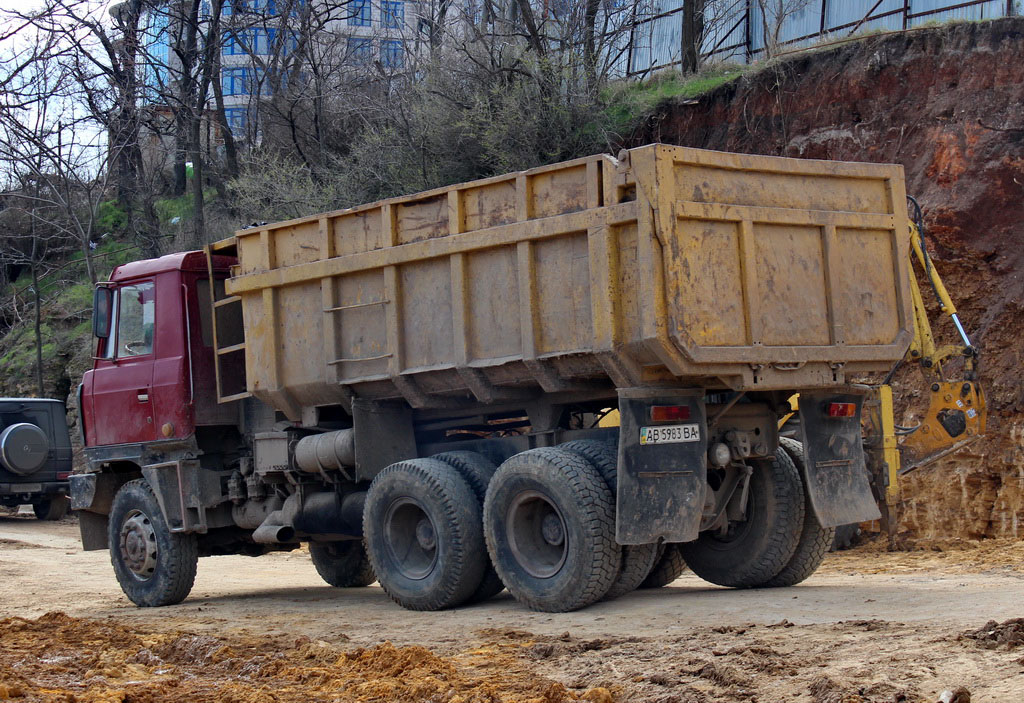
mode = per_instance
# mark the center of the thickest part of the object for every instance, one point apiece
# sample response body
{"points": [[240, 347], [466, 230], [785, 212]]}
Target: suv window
{"points": [[135, 317]]}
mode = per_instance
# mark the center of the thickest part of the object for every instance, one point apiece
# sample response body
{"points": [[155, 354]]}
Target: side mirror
{"points": [[102, 304]]}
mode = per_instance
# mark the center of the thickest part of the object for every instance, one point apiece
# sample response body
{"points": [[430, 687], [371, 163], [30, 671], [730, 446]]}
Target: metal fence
{"points": [[739, 30]]}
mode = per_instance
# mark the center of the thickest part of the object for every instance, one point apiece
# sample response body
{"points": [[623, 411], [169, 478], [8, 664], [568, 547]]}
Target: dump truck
{"points": [[414, 387]]}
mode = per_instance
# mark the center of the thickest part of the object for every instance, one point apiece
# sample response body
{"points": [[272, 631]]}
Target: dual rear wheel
{"points": [[547, 517]]}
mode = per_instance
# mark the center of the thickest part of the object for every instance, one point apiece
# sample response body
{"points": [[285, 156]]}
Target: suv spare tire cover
{"points": [[23, 448]]}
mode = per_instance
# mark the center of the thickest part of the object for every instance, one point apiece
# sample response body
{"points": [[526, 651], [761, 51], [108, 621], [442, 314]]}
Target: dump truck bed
{"points": [[667, 265]]}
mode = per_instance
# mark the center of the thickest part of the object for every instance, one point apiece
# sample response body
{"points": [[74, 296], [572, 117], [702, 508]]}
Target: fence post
{"points": [[906, 13]]}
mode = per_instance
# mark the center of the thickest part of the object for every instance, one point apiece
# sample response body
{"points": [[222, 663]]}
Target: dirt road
{"points": [[870, 626]]}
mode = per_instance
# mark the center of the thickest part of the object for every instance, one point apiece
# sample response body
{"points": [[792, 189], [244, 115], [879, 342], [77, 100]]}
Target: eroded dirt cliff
{"points": [[948, 104]]}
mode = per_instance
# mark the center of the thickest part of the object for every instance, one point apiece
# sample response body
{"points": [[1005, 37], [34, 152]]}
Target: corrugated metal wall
{"points": [[735, 29]]}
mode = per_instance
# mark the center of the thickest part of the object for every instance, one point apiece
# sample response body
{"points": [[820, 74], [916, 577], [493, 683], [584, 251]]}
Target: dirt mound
{"points": [[994, 635], [945, 103], [59, 658]]}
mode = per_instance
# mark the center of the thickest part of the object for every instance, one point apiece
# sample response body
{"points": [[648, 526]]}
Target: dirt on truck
{"points": [[413, 387]]}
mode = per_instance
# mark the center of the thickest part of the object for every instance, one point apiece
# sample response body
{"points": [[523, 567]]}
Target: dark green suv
{"points": [[35, 455]]}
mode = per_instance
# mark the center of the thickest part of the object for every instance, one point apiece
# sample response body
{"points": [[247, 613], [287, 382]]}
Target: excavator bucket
{"points": [[956, 417]]}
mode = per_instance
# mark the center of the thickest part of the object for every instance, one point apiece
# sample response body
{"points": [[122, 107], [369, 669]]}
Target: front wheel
{"points": [[342, 564], [153, 565], [755, 549]]}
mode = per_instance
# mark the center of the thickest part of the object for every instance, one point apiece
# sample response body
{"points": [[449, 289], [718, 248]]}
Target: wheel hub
{"points": [[410, 539], [138, 546], [537, 534], [425, 534], [551, 530]]}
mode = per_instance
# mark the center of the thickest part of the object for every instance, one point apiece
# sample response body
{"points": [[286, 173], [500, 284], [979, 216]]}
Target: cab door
{"points": [[122, 381]]}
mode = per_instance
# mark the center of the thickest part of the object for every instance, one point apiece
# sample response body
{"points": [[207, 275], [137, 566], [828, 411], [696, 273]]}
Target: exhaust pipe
{"points": [[274, 534], [321, 513]]}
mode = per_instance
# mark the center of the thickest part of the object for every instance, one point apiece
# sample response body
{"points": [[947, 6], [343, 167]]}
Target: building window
{"points": [[236, 118], [234, 81], [393, 13], [261, 41], [360, 13], [253, 41], [233, 43], [392, 53], [234, 7], [360, 49]]}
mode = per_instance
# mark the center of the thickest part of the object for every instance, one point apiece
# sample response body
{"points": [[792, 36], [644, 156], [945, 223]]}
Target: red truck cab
{"points": [[153, 369]]}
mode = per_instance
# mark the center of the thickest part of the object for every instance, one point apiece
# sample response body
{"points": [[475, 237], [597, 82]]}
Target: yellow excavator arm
{"points": [[956, 413]]}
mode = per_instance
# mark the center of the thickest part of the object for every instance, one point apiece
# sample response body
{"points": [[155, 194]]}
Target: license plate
{"points": [[670, 434], [27, 487]]}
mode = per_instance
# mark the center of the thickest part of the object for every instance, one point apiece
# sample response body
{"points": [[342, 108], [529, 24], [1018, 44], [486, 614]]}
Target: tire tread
{"points": [[815, 540]]}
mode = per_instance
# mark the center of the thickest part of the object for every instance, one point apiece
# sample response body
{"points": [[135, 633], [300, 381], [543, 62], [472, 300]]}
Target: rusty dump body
{"points": [[668, 265]]}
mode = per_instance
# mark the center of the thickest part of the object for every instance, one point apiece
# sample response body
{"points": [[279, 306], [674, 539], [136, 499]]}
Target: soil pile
{"points": [[64, 659], [994, 635], [59, 658], [945, 103]]}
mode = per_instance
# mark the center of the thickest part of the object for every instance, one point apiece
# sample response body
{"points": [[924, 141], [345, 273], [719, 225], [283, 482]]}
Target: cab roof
{"points": [[181, 261]]}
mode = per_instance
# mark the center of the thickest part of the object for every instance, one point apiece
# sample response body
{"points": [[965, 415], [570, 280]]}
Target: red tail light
{"points": [[666, 413], [842, 409], [63, 475]]}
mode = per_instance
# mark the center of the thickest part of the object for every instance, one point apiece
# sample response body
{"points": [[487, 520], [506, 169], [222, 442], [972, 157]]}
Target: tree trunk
{"points": [[40, 390], [693, 33], [590, 43]]}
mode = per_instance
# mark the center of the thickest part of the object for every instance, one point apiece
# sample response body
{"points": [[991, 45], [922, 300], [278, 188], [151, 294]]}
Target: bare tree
{"points": [[774, 15], [102, 56], [50, 141]]}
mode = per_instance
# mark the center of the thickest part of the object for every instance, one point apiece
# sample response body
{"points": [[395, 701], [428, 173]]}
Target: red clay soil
{"points": [[948, 104]]}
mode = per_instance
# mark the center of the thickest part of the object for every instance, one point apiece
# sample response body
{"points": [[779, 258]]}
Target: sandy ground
{"points": [[869, 626]]}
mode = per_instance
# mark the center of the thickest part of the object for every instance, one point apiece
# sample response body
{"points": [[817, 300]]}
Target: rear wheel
{"points": [[669, 566], [815, 540], [51, 507], [153, 565], [550, 528], [477, 470], [342, 564], [637, 559], [423, 535], [754, 550]]}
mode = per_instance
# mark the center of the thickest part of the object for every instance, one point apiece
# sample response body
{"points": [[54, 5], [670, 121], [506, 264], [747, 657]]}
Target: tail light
{"points": [[842, 409], [667, 413]]}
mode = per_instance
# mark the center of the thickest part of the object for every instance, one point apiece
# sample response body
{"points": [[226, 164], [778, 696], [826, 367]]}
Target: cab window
{"points": [[136, 312]]}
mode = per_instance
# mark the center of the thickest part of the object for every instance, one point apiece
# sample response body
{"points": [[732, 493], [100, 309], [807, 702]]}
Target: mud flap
{"points": [[661, 480], [836, 473]]}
